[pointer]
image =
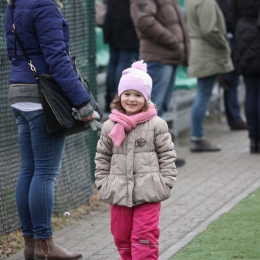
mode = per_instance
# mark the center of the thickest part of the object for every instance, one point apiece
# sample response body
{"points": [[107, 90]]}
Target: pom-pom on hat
{"points": [[136, 78]]}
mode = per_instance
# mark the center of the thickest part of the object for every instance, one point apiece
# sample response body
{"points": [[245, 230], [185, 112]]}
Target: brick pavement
{"points": [[208, 185]]}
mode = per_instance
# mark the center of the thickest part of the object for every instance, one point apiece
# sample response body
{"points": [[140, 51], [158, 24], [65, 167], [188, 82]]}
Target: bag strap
{"points": [[17, 38], [13, 31]]}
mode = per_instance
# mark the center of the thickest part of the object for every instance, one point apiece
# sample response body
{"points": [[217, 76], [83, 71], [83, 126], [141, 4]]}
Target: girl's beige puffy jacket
{"points": [[141, 169]]}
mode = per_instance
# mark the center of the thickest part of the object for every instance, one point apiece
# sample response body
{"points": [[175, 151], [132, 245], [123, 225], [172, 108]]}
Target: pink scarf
{"points": [[127, 123]]}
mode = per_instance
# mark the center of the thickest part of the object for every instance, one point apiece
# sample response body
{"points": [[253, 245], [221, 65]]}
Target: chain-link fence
{"points": [[74, 184]]}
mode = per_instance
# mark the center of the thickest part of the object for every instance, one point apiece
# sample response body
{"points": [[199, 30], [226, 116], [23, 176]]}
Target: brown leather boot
{"points": [[29, 244], [48, 250]]}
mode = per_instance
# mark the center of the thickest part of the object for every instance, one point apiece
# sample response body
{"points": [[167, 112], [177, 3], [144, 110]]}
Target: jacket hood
{"points": [[59, 3]]}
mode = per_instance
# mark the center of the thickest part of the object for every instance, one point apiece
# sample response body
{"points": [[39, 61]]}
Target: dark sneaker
{"points": [[254, 145], [238, 126], [203, 146], [179, 162]]}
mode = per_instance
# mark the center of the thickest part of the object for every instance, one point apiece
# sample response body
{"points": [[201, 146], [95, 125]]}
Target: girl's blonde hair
{"points": [[116, 104]]}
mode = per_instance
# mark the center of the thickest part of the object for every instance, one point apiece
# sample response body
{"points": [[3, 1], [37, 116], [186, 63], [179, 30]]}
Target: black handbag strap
{"points": [[17, 38], [13, 32]]}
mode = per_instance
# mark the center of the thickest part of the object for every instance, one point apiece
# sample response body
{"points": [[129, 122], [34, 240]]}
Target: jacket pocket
{"points": [[150, 188], [113, 190]]}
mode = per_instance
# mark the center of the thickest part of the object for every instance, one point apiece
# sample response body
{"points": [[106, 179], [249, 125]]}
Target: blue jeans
{"points": [[232, 106], [163, 77], [41, 156], [200, 105], [252, 105], [120, 59]]}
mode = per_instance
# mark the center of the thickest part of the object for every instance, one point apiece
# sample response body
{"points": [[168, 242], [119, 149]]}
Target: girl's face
{"points": [[132, 101]]}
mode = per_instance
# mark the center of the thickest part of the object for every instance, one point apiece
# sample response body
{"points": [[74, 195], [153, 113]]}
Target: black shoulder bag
{"points": [[56, 105], [258, 21]]}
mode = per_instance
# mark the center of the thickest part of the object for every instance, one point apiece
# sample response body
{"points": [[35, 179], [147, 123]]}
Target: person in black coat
{"points": [[119, 33], [230, 81], [245, 14]]}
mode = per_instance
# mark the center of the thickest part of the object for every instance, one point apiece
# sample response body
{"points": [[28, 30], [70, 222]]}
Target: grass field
{"points": [[234, 235]]}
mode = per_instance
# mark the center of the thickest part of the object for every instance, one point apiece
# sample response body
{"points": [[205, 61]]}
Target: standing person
{"points": [[45, 35], [135, 167], [210, 56], [119, 33], [230, 81], [164, 44], [247, 60]]}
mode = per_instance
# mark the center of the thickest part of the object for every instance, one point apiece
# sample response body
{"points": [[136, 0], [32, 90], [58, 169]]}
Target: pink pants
{"points": [[136, 231]]}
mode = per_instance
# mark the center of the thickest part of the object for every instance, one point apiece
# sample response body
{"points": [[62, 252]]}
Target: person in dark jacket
{"points": [[45, 35], [164, 44], [230, 81], [119, 33], [245, 14]]}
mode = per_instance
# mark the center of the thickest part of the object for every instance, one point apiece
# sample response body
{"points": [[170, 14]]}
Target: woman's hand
{"points": [[83, 112], [89, 120]]}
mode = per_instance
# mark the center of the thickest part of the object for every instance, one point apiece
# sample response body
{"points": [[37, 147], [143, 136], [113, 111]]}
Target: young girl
{"points": [[135, 167]]}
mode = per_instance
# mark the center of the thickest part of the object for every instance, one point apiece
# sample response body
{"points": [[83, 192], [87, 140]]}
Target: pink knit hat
{"points": [[136, 78]]}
